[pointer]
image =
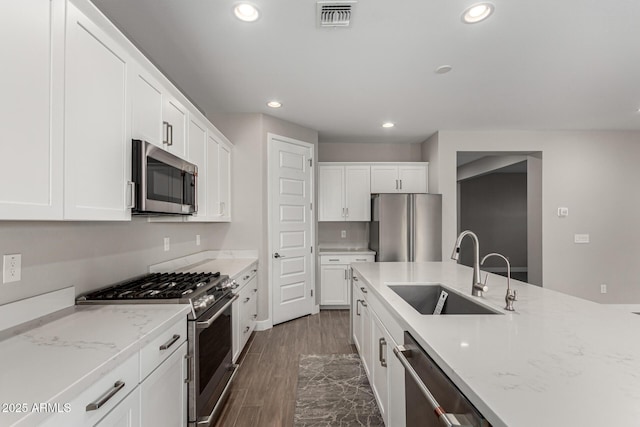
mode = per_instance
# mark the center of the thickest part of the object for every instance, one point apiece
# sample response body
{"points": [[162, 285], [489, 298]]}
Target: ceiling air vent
{"points": [[335, 13]]}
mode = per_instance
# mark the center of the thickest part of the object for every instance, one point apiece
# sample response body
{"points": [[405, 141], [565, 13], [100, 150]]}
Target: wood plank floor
{"points": [[264, 391]]}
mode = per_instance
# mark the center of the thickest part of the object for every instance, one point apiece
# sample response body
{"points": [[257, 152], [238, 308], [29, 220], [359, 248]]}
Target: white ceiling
{"points": [[538, 64]]}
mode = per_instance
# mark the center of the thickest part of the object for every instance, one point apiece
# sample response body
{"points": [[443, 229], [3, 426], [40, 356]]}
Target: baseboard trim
{"points": [[263, 325]]}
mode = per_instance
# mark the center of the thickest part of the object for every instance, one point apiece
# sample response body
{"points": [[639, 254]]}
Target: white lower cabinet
{"points": [[374, 341], [163, 394], [126, 414], [335, 270], [244, 309]]}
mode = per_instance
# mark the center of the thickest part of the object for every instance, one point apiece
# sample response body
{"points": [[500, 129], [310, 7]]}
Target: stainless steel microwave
{"points": [[163, 182]]}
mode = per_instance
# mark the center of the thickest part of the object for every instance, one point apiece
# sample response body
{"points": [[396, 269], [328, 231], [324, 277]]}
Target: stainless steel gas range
{"points": [[209, 334]]}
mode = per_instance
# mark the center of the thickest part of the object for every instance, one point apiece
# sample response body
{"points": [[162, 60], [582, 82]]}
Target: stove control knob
{"points": [[234, 285]]}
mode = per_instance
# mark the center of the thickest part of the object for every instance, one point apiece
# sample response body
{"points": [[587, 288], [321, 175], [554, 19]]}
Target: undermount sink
{"points": [[424, 298]]}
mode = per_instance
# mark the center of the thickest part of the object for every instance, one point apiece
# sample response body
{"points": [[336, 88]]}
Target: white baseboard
{"points": [[263, 325], [315, 309]]}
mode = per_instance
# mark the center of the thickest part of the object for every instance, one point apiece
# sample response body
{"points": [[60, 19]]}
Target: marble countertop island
{"points": [[57, 360], [557, 360]]}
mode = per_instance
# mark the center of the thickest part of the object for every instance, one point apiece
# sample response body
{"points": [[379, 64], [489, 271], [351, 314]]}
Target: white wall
{"points": [[369, 152], [91, 255], [594, 174]]}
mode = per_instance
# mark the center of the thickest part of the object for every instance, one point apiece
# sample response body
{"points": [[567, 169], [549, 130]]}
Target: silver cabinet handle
{"points": [[396, 184], [363, 289], [358, 307], [246, 300], [254, 317], [188, 357], [361, 259], [364, 303], [255, 270], [132, 195], [347, 212], [255, 290], [165, 132], [345, 275], [222, 206], [401, 352], [246, 329], [277, 255], [383, 360], [355, 278], [342, 211], [117, 386], [170, 134], [171, 342], [401, 184], [246, 277], [333, 259]]}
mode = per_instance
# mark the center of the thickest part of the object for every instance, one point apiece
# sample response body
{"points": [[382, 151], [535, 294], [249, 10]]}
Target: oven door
{"points": [[212, 369]]}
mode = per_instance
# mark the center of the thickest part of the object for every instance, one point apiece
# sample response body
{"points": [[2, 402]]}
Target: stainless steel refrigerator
{"points": [[406, 227]]}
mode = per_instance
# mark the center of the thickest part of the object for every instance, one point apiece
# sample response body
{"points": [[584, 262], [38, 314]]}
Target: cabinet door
{"points": [[146, 107], [31, 34], [97, 142], [379, 366], [358, 193], [384, 179], [198, 155], [413, 179], [175, 128], [163, 395], [356, 317], [213, 187], [334, 285], [126, 414], [331, 193], [224, 180]]}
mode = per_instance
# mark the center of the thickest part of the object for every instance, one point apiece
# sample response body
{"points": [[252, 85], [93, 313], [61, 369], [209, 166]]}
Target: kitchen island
{"points": [[557, 360]]}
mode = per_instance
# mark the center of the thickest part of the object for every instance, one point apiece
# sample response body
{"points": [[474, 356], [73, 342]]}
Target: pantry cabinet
{"points": [[32, 46], [344, 192], [399, 178], [97, 133]]}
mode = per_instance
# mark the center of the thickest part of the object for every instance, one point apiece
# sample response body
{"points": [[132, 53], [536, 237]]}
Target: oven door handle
{"points": [[206, 323]]}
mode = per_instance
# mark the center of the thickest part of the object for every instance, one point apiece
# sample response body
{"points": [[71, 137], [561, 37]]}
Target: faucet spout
{"points": [[511, 294], [477, 288]]}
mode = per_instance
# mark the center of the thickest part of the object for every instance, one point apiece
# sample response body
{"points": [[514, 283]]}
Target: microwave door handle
{"points": [[195, 190]]}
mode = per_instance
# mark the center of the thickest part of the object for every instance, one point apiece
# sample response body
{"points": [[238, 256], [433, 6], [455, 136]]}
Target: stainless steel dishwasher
{"points": [[432, 399]]}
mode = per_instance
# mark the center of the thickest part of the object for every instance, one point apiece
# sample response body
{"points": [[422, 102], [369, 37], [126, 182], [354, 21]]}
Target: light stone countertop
{"points": [[228, 266], [346, 251], [557, 360], [56, 361]]}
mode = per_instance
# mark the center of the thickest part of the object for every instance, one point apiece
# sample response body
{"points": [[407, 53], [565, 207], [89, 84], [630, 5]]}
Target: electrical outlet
{"points": [[603, 289], [167, 244], [343, 234], [581, 238], [11, 268], [197, 240]]}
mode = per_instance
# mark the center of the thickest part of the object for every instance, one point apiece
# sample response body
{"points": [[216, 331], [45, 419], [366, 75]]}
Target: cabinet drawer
{"points": [[362, 258], [154, 353], [335, 259], [244, 277], [103, 395]]}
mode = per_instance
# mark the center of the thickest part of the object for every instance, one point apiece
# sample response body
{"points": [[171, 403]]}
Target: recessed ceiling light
{"points": [[388, 125], [246, 12], [274, 104], [477, 12], [443, 69]]}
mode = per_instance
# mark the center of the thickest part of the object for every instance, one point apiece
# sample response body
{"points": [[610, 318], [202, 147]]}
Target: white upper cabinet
{"points": [[224, 181], [218, 181], [197, 148], [344, 192], [174, 126], [146, 107], [399, 178], [31, 36], [97, 134]]}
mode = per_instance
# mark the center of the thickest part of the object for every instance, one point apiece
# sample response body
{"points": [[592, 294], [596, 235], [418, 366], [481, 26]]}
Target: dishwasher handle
{"points": [[447, 420]]}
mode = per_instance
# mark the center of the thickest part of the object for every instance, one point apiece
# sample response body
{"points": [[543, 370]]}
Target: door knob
{"points": [[277, 255]]}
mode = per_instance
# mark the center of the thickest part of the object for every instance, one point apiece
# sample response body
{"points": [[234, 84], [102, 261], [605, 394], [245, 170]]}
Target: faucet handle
{"points": [[482, 286]]}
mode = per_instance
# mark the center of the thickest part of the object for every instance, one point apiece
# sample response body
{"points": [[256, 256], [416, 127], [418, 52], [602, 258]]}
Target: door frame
{"points": [[270, 139]]}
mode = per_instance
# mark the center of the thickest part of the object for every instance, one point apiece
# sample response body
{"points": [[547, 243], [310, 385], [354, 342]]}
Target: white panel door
{"points": [[224, 181], [291, 222], [413, 179], [384, 179], [146, 108], [31, 33], [197, 149], [97, 133], [358, 193], [331, 193], [334, 285]]}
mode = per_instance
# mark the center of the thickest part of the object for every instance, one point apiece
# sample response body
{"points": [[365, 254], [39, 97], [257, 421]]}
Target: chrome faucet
{"points": [[511, 293], [477, 287]]}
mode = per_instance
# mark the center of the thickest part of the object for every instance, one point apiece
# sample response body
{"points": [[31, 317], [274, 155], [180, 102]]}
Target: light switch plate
{"points": [[11, 268], [343, 234], [563, 212]]}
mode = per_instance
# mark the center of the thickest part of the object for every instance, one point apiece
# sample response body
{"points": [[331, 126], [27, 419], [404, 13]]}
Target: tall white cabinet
{"points": [[97, 134], [31, 45]]}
